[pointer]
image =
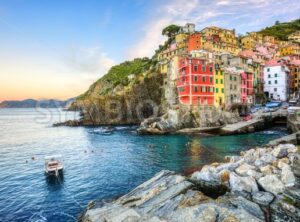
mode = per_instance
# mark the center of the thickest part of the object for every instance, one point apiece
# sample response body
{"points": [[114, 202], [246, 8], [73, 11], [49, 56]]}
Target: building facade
{"points": [[232, 79], [219, 91], [276, 81], [195, 83]]}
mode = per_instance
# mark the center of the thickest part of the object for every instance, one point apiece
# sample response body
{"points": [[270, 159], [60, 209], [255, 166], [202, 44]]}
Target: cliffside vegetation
{"points": [[120, 75], [128, 93], [280, 30]]}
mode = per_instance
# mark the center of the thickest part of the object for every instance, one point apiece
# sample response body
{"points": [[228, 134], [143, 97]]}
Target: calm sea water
{"points": [[97, 165]]}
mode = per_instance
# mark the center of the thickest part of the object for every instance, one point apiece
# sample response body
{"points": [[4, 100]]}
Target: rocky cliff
{"points": [[127, 94]]}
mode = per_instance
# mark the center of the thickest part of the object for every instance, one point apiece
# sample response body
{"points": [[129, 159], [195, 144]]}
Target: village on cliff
{"points": [[213, 67]]}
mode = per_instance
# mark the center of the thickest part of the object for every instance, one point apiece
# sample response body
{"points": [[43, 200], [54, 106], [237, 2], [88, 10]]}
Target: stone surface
{"points": [[287, 176], [281, 150], [272, 184], [244, 169], [264, 160], [254, 174], [263, 198], [266, 170], [238, 183]]}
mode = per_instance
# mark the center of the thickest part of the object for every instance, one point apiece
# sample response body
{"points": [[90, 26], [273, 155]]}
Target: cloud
{"points": [[88, 60]]}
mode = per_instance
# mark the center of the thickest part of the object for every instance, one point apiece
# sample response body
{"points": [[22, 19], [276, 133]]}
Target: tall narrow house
{"points": [[195, 83], [276, 81]]}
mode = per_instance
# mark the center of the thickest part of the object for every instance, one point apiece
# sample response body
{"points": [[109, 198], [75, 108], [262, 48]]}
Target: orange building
{"points": [[194, 41]]}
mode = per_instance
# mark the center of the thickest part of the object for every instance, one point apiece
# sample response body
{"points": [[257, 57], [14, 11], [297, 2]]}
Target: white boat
{"points": [[54, 165]]}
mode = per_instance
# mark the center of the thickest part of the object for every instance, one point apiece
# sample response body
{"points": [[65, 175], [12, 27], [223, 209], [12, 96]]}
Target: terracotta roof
{"points": [[272, 62], [247, 54]]}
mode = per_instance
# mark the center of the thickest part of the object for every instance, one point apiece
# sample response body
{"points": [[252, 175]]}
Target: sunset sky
{"points": [[57, 48]]}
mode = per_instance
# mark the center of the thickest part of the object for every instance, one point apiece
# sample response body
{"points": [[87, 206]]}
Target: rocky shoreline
{"points": [[261, 184]]}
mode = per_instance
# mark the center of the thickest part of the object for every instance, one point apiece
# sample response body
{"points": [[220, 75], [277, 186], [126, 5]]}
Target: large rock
{"points": [[264, 160], [207, 174], [250, 207], [281, 150], [272, 184], [266, 170], [263, 198], [244, 169], [287, 176], [238, 183]]}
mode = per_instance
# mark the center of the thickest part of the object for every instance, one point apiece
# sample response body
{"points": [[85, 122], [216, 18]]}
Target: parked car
{"points": [[272, 106]]}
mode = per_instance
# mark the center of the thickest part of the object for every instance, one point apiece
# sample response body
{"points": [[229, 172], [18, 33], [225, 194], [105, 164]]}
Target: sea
{"points": [[100, 163]]}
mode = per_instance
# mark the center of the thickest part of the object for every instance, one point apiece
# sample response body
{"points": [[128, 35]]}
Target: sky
{"points": [[57, 48]]}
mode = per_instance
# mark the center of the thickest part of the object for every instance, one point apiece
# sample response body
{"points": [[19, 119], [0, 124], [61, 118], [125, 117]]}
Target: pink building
{"points": [[246, 87]]}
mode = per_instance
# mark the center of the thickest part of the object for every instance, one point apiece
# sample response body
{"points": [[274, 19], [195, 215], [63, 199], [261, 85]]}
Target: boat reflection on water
{"points": [[53, 180]]}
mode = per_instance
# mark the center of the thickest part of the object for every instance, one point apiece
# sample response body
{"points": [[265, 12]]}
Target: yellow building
{"points": [[295, 37], [251, 40], [270, 39], [220, 47], [292, 49], [219, 89]]}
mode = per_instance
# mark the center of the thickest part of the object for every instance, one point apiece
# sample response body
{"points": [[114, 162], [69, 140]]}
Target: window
{"points": [[268, 69], [203, 69], [276, 81], [276, 75], [269, 82], [235, 87], [203, 78], [195, 88], [221, 81], [203, 89], [217, 90], [269, 76], [234, 78], [275, 89], [196, 78], [211, 89], [210, 69], [230, 86], [222, 90], [230, 77], [217, 81], [211, 79], [195, 68]]}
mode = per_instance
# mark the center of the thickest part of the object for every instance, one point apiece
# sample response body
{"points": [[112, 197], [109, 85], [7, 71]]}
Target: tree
{"points": [[277, 22], [171, 30]]}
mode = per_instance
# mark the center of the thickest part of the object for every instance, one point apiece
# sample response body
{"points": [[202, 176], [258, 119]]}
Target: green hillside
{"points": [[282, 30]]}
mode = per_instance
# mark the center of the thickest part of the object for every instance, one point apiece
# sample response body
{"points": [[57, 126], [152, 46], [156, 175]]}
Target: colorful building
{"points": [[232, 79], [246, 87], [251, 40], [294, 67], [195, 83], [276, 81], [219, 92], [295, 37], [194, 41], [292, 49]]}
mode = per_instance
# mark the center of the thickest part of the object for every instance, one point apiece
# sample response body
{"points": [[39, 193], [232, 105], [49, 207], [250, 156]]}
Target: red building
{"points": [[194, 41], [195, 83], [246, 87]]}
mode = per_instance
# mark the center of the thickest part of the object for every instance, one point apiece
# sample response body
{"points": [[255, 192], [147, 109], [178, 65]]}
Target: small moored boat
{"points": [[54, 165]]}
